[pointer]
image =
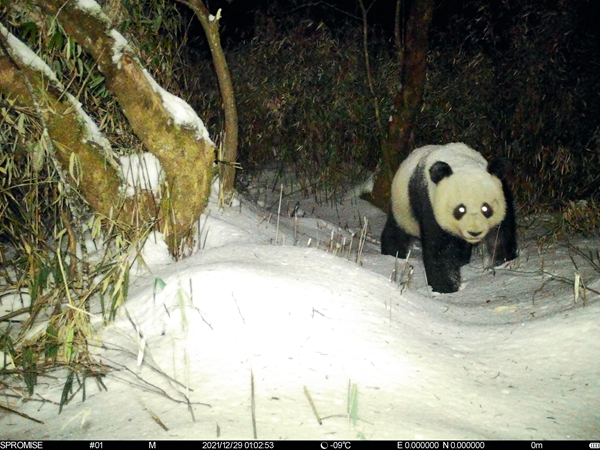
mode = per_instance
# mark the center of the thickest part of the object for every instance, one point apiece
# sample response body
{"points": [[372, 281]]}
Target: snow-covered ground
{"points": [[273, 328]]}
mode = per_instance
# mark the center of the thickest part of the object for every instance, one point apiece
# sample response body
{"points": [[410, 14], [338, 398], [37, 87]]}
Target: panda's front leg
{"points": [[394, 240], [443, 255], [501, 243], [502, 240]]}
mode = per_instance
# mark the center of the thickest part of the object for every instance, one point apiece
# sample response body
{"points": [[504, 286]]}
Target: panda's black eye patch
{"points": [[459, 212], [487, 210]]}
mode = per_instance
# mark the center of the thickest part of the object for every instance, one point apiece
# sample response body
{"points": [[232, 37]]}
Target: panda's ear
{"points": [[498, 167], [439, 170]]}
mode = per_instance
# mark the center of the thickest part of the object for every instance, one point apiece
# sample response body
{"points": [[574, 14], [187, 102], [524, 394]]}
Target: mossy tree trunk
{"points": [[407, 102], [27, 86], [227, 159], [185, 156]]}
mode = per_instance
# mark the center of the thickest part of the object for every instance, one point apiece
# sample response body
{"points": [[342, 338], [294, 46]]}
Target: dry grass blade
{"points": [[312, 405], [10, 410], [154, 416], [278, 215], [253, 404], [144, 385], [362, 239], [18, 312], [588, 257]]}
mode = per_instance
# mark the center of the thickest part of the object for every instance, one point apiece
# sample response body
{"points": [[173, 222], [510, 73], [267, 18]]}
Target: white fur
{"points": [[470, 185]]}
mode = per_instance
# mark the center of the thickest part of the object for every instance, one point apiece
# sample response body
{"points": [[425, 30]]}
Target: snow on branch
{"points": [[181, 112], [19, 51]]}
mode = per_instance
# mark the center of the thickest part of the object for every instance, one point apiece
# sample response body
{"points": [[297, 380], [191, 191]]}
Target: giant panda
{"points": [[450, 198]]}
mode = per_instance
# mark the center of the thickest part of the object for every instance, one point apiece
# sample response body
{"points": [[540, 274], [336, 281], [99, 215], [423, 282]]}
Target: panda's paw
{"points": [[435, 293]]}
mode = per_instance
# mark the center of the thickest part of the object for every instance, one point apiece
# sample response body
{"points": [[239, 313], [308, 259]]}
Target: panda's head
{"points": [[468, 201]]}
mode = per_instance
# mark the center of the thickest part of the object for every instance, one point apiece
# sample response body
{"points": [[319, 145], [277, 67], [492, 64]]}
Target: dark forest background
{"points": [[518, 79]]}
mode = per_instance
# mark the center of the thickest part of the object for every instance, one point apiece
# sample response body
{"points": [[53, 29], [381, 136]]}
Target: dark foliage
{"points": [[303, 102], [520, 80], [512, 79]]}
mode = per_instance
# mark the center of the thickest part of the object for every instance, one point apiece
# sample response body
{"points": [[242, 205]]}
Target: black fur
{"points": [[497, 167], [502, 240], [444, 253], [394, 240]]}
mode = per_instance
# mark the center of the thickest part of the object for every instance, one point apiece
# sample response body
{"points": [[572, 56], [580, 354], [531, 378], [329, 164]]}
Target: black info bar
{"points": [[325, 444]]}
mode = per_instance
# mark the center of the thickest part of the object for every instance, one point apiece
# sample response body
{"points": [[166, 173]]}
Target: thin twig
{"points": [[278, 214], [253, 403], [312, 405], [5, 408], [364, 12]]}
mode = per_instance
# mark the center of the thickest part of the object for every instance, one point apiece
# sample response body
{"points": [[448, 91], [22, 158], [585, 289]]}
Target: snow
{"points": [[118, 47], [510, 356], [141, 172], [27, 56], [181, 112], [91, 130], [93, 8], [89, 5]]}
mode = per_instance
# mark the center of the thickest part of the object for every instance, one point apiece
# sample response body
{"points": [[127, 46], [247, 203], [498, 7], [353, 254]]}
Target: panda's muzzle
{"points": [[473, 237]]}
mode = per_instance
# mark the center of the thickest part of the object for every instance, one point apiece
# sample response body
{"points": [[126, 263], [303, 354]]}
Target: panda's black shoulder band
{"points": [[498, 167]]}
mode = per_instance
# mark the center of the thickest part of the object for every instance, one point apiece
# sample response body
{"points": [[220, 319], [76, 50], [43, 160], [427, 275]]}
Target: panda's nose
{"points": [[474, 233]]}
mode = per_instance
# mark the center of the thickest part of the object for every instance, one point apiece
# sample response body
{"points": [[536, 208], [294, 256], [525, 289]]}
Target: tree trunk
{"points": [[227, 159], [89, 158], [407, 102], [183, 148], [27, 86]]}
